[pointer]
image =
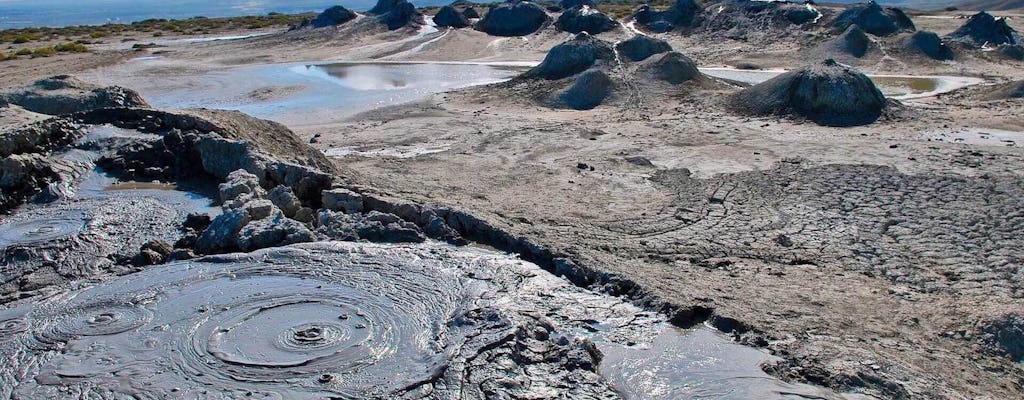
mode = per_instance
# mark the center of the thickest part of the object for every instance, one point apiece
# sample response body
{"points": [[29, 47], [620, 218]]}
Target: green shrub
{"points": [[22, 39], [71, 47], [43, 52], [24, 52], [98, 34]]}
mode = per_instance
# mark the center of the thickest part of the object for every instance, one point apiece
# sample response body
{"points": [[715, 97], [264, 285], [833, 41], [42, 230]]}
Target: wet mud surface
{"points": [[352, 320]]}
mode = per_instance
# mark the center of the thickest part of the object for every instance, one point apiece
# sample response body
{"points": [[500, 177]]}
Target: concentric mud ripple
{"points": [[98, 319], [325, 320], [62, 224], [13, 326]]}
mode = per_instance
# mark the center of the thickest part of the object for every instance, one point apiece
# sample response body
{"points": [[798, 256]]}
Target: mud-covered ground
{"points": [[882, 260]]}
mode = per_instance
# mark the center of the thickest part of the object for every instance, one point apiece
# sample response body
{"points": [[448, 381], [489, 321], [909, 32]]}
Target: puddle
{"points": [[331, 92], [186, 199], [978, 137], [900, 87], [391, 152], [695, 364]]}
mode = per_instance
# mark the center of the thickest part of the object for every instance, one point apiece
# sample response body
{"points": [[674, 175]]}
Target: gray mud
{"points": [[346, 320]]}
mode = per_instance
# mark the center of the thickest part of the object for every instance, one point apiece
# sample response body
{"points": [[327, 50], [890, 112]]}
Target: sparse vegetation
{"points": [[71, 47], [24, 52], [43, 52]]}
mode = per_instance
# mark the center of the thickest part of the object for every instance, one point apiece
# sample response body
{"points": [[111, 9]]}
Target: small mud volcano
{"points": [[874, 19], [673, 67], [572, 57], [828, 93], [853, 42], [584, 18], [396, 14], [928, 44], [519, 18], [448, 16], [60, 225], [333, 16], [682, 13], [640, 47], [589, 90], [982, 28]]}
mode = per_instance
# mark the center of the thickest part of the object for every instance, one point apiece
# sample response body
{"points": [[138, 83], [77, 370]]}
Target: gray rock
{"points": [[283, 198], [275, 230], [223, 230], [221, 157], [65, 94], [305, 214], [374, 226], [240, 183], [343, 200], [259, 209]]}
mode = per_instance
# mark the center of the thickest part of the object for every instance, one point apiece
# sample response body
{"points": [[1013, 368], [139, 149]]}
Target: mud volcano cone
{"points": [[873, 19], [589, 90], [682, 13], [448, 16], [396, 14], [572, 57], [641, 47], [333, 16], [672, 67], [928, 44], [853, 42], [584, 18], [513, 19], [828, 93], [983, 28]]}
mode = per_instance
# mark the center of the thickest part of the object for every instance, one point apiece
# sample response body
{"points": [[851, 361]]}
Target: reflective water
{"points": [[902, 87], [302, 94]]}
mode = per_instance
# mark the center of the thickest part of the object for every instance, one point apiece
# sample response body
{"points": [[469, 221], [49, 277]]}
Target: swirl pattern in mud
{"points": [[287, 323], [65, 223]]}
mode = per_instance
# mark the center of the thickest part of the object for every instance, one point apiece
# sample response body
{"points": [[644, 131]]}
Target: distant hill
{"points": [[992, 5]]}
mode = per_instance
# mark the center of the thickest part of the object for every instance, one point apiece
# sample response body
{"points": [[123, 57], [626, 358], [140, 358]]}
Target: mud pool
{"points": [[358, 320], [304, 94]]}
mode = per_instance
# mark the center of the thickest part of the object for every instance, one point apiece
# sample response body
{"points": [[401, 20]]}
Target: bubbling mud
{"points": [[62, 224], [287, 323]]}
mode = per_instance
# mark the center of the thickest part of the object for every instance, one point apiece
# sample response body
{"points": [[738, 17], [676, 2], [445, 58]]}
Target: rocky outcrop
{"points": [[828, 93], [572, 57], [589, 90], [682, 13], [22, 177], [640, 47], [982, 28], [373, 226], [448, 16], [874, 19], [396, 14], [333, 16], [65, 94], [518, 18], [584, 18], [672, 67], [1005, 336], [928, 44]]}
